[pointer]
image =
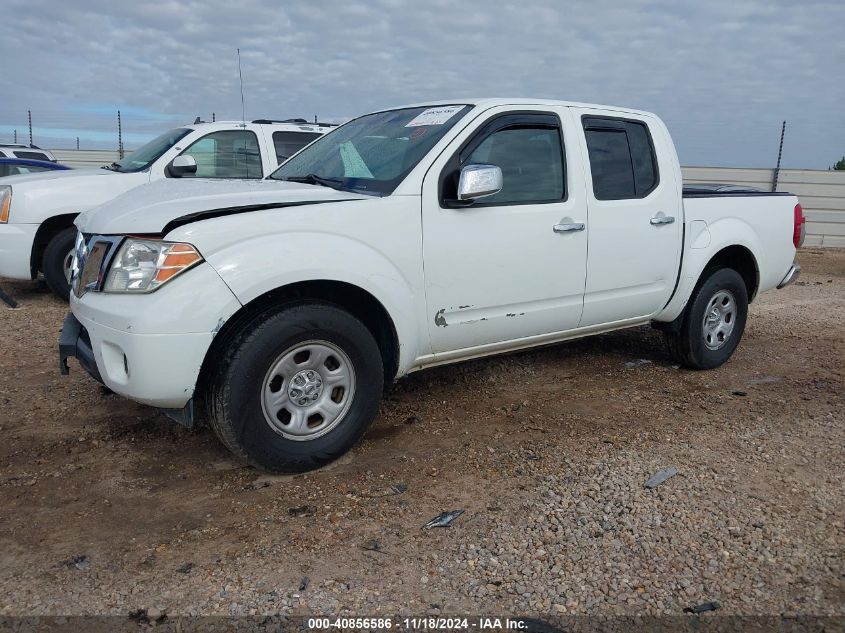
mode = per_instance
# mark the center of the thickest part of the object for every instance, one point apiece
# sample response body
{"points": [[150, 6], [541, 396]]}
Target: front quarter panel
{"points": [[374, 244], [35, 201]]}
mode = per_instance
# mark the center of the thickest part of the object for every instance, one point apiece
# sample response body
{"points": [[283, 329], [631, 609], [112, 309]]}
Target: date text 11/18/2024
{"points": [[427, 623]]}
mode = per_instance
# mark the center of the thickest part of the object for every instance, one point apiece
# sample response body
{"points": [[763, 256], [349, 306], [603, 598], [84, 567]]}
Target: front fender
{"points": [[701, 243], [258, 265], [39, 198]]}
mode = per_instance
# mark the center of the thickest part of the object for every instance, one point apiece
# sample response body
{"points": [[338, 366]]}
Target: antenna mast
{"points": [[241, 77]]}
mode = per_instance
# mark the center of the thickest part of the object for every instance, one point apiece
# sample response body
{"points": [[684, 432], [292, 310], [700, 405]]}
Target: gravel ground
{"points": [[109, 508]]}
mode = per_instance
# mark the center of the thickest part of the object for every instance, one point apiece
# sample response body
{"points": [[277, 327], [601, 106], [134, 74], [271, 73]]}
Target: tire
{"points": [[263, 363], [55, 259], [713, 322]]}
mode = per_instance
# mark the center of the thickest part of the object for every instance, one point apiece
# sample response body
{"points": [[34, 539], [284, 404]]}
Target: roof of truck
{"points": [[289, 125], [490, 102]]}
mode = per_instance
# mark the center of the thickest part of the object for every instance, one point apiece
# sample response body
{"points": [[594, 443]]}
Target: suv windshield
{"points": [[373, 153], [146, 155]]}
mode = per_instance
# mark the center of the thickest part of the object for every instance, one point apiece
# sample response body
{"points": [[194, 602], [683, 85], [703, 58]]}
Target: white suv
{"points": [[37, 211], [30, 152]]}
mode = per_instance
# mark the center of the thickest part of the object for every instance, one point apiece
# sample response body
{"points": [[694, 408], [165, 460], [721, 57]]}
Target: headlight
{"points": [[144, 265], [5, 203]]}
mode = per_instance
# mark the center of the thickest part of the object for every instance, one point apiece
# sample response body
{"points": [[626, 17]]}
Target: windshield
{"points": [[373, 153], [146, 155]]}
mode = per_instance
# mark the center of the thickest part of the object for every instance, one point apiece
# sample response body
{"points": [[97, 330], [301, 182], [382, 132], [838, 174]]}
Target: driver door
{"points": [[501, 268]]}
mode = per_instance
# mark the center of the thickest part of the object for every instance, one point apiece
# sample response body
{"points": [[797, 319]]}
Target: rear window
{"points": [[622, 159], [289, 143]]}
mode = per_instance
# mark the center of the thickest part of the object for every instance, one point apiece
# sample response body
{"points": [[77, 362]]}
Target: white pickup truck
{"points": [[411, 237], [37, 212]]}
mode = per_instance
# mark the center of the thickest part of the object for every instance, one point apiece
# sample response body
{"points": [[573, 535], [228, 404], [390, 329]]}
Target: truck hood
{"points": [[160, 206], [39, 197], [67, 176]]}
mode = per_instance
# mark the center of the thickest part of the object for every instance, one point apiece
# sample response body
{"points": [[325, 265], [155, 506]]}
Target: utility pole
{"points": [[780, 152], [119, 136], [29, 116]]}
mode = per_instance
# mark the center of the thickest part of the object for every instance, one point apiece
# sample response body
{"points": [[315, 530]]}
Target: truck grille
{"points": [[92, 257]]}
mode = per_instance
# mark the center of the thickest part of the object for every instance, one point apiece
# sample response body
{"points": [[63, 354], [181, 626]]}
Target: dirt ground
{"points": [[110, 508]]}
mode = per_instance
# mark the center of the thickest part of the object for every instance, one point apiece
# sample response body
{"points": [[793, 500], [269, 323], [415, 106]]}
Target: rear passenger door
{"points": [[635, 224]]}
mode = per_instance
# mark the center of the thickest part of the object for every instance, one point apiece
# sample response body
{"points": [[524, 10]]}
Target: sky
{"points": [[723, 74]]}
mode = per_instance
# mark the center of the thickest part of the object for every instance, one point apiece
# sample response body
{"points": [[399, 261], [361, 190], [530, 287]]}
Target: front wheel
{"points": [[713, 322], [297, 388], [57, 260]]}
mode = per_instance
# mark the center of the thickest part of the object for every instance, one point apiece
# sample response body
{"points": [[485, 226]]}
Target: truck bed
{"points": [[719, 190]]}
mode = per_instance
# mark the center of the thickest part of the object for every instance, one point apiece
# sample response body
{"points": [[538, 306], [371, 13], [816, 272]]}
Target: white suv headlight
{"points": [[144, 265]]}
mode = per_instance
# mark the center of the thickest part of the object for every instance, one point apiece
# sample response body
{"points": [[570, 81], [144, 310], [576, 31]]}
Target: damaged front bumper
{"points": [[74, 342], [159, 370], [149, 347]]}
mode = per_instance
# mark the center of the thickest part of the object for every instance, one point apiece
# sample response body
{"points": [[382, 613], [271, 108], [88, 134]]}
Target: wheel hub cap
{"points": [[308, 390], [305, 388], [67, 265], [719, 319]]}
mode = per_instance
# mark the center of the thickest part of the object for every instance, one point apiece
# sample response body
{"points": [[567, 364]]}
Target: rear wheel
{"points": [[56, 262], [296, 388], [713, 322]]}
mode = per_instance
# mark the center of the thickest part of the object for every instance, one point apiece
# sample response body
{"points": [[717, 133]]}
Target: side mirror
{"points": [[477, 181], [182, 166]]}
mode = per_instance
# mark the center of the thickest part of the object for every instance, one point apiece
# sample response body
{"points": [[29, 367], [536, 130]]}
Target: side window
{"points": [[17, 170], [642, 157], [31, 155], [528, 148], [289, 143], [227, 154], [610, 162], [622, 159]]}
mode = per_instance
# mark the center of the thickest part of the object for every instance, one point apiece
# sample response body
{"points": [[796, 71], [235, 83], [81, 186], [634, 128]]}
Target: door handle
{"points": [[662, 219], [568, 228]]}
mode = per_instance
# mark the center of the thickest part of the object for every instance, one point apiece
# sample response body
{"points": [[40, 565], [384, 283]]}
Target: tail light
{"points": [[798, 226]]}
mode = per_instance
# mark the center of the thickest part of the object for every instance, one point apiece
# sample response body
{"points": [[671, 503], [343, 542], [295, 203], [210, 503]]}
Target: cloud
{"points": [[723, 74]]}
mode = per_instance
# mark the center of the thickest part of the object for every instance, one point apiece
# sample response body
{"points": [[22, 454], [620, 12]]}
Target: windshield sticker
{"points": [[353, 165], [418, 133], [434, 116]]}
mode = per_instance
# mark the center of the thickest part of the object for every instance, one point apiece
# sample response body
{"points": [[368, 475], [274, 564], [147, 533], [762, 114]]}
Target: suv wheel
{"points": [[296, 388], [56, 262], [713, 322]]}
